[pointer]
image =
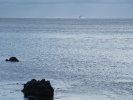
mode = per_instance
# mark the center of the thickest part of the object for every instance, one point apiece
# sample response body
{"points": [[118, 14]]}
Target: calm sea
{"points": [[85, 59]]}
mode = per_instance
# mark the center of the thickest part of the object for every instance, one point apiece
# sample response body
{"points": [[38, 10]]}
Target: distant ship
{"points": [[81, 17]]}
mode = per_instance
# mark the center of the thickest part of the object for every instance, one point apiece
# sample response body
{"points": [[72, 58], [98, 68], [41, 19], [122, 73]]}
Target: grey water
{"points": [[85, 59]]}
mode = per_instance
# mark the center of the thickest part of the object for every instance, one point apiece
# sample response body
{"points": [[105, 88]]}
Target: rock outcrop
{"points": [[38, 89], [12, 59]]}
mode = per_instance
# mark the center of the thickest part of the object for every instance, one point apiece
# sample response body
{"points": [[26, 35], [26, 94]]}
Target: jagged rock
{"points": [[12, 59], [38, 89]]}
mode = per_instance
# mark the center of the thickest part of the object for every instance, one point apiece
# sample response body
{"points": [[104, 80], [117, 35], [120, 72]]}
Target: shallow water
{"points": [[84, 59]]}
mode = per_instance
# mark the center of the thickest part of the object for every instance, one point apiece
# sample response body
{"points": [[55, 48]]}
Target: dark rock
{"points": [[38, 89], [6, 60], [12, 59]]}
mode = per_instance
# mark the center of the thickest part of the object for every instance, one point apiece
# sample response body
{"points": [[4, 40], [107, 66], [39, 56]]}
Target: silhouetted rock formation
{"points": [[38, 90], [12, 59]]}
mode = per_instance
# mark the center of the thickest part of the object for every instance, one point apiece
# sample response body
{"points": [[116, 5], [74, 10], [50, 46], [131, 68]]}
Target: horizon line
{"points": [[66, 18]]}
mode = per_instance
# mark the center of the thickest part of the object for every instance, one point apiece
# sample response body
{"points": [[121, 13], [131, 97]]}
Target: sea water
{"points": [[84, 59]]}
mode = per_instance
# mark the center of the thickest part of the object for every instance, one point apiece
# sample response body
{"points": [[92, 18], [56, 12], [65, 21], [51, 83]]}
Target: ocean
{"points": [[84, 59]]}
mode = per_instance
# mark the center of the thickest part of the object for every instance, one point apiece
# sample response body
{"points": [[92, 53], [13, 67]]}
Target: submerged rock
{"points": [[12, 59], [38, 90]]}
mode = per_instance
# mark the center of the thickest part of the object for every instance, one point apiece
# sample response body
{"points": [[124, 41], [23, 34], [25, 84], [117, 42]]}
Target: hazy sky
{"points": [[66, 8]]}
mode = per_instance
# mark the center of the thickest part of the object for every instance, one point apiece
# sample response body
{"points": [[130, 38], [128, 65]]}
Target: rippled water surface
{"points": [[85, 59]]}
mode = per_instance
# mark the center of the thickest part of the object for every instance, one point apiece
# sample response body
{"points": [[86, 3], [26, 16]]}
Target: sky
{"points": [[66, 8]]}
